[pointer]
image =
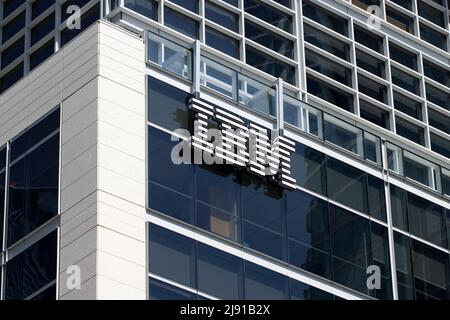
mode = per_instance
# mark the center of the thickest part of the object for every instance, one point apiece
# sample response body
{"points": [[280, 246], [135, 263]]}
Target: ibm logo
{"points": [[237, 143]]}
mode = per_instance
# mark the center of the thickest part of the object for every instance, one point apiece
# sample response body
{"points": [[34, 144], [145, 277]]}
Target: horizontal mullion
{"points": [[269, 27], [325, 78]]}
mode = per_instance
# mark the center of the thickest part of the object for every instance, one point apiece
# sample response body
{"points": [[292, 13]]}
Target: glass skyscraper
{"points": [[91, 118]]}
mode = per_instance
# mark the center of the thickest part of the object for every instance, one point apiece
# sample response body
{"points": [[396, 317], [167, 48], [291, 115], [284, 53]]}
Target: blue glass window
{"points": [[13, 27], [222, 42], [11, 78], [269, 14], [181, 23], [13, 52], [39, 6], [264, 284], [41, 54], [221, 16], [148, 8], [42, 29]]}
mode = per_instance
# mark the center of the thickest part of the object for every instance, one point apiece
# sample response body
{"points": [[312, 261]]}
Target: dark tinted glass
{"points": [[325, 17], [404, 269], [39, 6], [2, 202], [270, 65], [221, 42], [308, 237], [33, 190], [269, 14], [436, 73], [431, 14], [404, 3], [301, 291], [10, 5], [403, 56], [438, 120], [375, 198], [159, 290], [426, 220], [170, 188], [440, 145], [408, 106], [346, 184], [43, 28], [171, 255], [218, 273], [438, 97], [328, 67], [191, 5], [41, 54], [148, 8], [46, 295], [36, 133], [329, 93], [372, 89], [181, 23], [374, 114], [405, 80], [308, 168], [398, 207], [167, 105], [269, 39], [221, 16], [11, 78], [13, 52], [399, 20], [368, 39], [410, 131], [326, 42], [370, 63], [264, 284], [434, 37], [32, 269], [14, 26]]}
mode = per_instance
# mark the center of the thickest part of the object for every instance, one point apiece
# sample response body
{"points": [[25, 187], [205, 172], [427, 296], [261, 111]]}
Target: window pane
{"points": [[264, 284], [171, 255], [191, 5], [270, 65], [308, 168], [370, 63], [325, 18], [403, 56], [269, 14], [399, 20], [33, 191], [376, 198], [329, 93], [368, 39], [13, 27], [35, 134], [431, 14], [374, 114], [426, 220], [159, 290], [343, 135], [269, 39], [13, 52], [372, 89], [39, 6], [181, 23], [219, 273], [440, 145], [309, 243], [408, 106], [398, 207], [437, 96], [221, 16], [32, 269], [11, 78], [346, 184], [301, 291], [148, 8], [434, 37], [42, 29], [170, 186], [10, 5], [329, 68], [403, 264], [41, 54], [436, 73], [410, 131], [221, 42], [405, 80], [438, 120], [326, 42]]}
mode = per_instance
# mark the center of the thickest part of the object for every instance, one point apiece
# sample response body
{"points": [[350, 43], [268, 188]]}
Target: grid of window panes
{"points": [[29, 210], [335, 228], [343, 62], [31, 31]]}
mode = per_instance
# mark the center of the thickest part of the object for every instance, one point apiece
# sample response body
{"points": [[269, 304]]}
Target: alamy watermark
{"points": [[73, 22]]}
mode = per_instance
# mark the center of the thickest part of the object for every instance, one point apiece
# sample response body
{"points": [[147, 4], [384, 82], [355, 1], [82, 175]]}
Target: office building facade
{"points": [[109, 190]]}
